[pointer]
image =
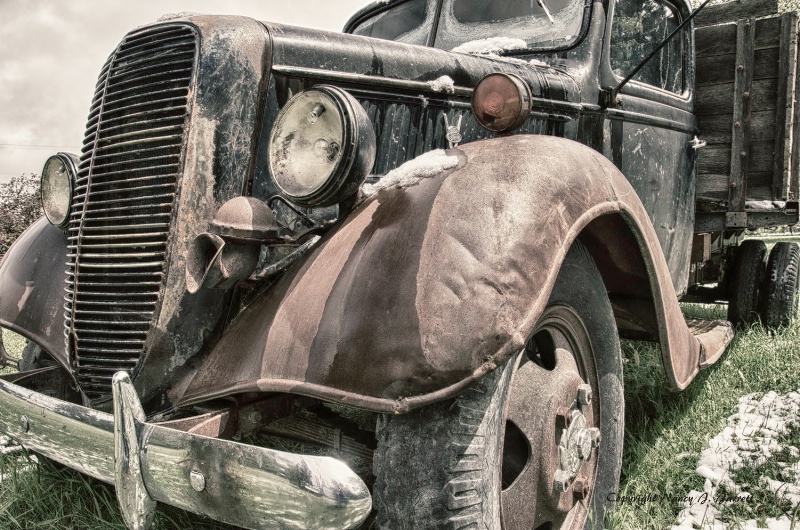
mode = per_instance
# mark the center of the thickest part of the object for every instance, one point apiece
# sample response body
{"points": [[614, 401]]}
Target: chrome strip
{"points": [[372, 80], [251, 487]]}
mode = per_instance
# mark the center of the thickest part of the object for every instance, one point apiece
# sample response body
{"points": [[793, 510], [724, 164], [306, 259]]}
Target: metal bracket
{"points": [[736, 219], [137, 507]]}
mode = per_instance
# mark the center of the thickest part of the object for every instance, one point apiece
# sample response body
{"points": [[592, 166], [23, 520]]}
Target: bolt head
{"points": [[581, 488], [197, 480], [584, 394]]}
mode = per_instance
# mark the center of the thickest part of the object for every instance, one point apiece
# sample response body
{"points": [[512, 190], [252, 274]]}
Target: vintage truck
{"points": [[417, 242]]}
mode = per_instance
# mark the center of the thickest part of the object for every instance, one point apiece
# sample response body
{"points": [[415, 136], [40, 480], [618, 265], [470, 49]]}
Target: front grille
{"points": [[121, 213]]}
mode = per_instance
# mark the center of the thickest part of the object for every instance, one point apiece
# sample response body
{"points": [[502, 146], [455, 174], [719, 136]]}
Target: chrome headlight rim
{"points": [[356, 155], [57, 209]]}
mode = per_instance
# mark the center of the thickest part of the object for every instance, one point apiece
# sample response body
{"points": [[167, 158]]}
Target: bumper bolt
{"points": [[584, 394], [561, 481], [25, 423], [197, 480], [580, 488]]}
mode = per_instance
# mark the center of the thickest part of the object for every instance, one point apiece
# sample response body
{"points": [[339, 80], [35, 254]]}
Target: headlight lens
{"points": [[322, 147], [58, 181], [501, 102]]}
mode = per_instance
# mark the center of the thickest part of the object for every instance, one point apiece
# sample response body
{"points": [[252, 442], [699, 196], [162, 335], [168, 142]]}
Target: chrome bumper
{"points": [[239, 484]]}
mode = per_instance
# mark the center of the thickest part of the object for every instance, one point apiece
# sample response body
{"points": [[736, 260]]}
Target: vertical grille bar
{"points": [[124, 198]]}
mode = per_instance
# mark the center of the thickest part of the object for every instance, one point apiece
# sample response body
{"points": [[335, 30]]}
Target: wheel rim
{"points": [[551, 430]]}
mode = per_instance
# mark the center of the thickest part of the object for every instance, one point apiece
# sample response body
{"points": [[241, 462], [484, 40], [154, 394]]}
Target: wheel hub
{"points": [[551, 406], [575, 447]]}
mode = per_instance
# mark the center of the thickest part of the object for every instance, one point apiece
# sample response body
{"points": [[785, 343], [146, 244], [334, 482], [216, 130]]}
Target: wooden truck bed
{"points": [[747, 72]]}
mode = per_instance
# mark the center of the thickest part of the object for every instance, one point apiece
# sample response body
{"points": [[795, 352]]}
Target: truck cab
{"points": [[443, 218]]}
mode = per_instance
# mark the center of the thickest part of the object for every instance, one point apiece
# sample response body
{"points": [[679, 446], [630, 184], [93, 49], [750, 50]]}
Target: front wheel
{"points": [[535, 444]]}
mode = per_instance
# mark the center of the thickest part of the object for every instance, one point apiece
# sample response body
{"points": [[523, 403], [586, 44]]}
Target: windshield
{"points": [[480, 26], [409, 22]]}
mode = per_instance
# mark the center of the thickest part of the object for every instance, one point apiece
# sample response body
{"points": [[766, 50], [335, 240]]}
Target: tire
{"points": [[488, 459], [33, 357], [745, 282], [779, 296]]}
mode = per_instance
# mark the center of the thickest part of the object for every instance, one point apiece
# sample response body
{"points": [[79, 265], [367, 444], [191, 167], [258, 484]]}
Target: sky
{"points": [[51, 52]]}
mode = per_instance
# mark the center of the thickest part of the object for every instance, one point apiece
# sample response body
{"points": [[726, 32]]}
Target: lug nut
{"points": [[580, 488], [595, 435], [561, 481], [585, 394]]}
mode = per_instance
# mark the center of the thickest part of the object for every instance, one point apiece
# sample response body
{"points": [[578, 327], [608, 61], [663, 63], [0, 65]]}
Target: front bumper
{"points": [[251, 487]]}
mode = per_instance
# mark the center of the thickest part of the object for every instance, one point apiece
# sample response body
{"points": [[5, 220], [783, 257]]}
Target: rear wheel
{"points": [[779, 296], [535, 444], [745, 282]]}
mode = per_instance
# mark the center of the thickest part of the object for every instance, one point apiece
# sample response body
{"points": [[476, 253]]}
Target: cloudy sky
{"points": [[51, 52]]}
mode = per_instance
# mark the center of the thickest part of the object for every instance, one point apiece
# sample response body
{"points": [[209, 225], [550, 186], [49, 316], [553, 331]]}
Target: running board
{"points": [[713, 336]]}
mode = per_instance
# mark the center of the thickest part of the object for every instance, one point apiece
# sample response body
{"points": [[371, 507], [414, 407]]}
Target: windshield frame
{"points": [[375, 9]]}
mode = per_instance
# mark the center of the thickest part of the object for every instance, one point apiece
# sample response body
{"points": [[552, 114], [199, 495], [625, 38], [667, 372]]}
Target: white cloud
{"points": [[51, 52]]}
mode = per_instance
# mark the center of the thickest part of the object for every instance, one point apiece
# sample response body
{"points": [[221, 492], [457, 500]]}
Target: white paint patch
{"points": [[764, 205], [426, 165], [443, 84], [749, 440], [490, 46]]}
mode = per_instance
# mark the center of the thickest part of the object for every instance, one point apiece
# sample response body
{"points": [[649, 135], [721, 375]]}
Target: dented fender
{"points": [[428, 285]]}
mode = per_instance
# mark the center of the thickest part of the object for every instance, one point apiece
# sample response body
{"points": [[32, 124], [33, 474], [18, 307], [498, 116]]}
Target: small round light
{"points": [[501, 102], [322, 147], [58, 182]]}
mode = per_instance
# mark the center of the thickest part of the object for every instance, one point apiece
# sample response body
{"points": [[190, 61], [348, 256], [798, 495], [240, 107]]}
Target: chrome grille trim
{"points": [[119, 227]]}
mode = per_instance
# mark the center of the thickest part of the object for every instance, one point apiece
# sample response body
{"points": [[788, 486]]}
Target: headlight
{"points": [[501, 102], [322, 147], [58, 181]]}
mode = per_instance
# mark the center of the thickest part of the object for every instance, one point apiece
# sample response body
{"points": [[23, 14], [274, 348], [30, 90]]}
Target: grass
{"points": [[664, 435], [666, 431]]}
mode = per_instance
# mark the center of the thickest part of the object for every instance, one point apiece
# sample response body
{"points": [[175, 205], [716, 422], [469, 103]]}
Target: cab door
{"points": [[649, 127]]}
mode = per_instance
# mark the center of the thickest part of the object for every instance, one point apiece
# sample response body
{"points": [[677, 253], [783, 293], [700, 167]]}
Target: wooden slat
{"points": [[715, 187], [722, 68], [717, 40], [783, 116], [740, 145], [718, 158], [717, 129], [721, 40], [794, 173], [731, 11], [718, 99]]}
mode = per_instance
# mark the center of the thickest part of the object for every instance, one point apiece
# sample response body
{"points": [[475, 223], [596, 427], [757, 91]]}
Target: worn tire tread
{"points": [[745, 282], [779, 291]]}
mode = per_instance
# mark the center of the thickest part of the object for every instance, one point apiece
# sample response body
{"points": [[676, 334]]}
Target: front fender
{"points": [[425, 288], [32, 287]]}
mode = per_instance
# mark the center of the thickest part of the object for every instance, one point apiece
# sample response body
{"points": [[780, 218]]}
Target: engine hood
{"points": [[303, 52]]}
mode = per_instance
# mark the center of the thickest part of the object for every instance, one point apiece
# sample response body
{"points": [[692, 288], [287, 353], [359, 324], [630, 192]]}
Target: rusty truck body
{"points": [[443, 218]]}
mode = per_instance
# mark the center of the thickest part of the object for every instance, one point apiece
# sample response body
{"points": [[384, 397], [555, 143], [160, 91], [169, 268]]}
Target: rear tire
{"points": [[745, 282], [489, 458], [779, 291]]}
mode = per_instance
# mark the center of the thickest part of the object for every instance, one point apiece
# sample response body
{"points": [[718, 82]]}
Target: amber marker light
{"points": [[501, 102]]}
